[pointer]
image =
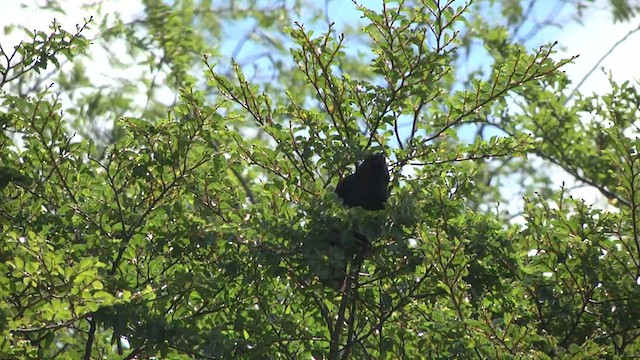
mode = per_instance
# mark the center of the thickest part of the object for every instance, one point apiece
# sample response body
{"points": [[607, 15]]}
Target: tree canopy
{"points": [[187, 208]]}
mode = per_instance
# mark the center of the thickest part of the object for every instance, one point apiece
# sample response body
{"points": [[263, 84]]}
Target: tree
{"points": [[202, 229]]}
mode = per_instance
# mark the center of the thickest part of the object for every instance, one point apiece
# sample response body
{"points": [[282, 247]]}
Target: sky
{"points": [[591, 40]]}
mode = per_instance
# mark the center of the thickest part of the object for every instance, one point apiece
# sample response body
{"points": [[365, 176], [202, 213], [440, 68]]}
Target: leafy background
{"points": [[184, 210]]}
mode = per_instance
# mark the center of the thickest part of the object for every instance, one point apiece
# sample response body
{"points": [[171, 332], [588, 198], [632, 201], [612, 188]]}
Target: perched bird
{"points": [[366, 188]]}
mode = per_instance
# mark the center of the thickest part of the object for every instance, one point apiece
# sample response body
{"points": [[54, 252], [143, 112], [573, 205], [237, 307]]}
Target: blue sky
{"points": [[591, 39]]}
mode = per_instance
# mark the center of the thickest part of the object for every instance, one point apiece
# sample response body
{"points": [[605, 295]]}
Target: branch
{"points": [[595, 66]]}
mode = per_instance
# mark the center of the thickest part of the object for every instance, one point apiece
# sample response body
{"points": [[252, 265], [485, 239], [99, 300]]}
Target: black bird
{"points": [[368, 188]]}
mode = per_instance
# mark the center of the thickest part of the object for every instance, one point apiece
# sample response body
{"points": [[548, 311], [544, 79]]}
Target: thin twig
{"points": [[595, 66]]}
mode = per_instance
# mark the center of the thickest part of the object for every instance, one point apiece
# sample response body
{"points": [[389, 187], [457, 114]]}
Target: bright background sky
{"points": [[591, 41]]}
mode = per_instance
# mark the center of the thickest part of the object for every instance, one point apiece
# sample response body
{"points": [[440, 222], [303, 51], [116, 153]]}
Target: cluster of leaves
{"points": [[185, 236]]}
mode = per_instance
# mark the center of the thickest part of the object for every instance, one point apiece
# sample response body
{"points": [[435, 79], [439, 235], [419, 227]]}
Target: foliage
{"points": [[201, 230]]}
